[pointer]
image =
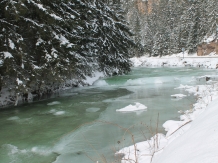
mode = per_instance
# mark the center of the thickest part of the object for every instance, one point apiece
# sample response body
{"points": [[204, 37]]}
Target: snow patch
{"points": [[55, 17], [7, 55], [176, 60], [19, 82], [96, 75], [39, 41], [11, 44]]}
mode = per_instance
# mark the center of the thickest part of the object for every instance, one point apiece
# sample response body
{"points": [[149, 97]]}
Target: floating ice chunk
{"points": [[13, 118], [178, 95], [54, 103], [132, 108], [92, 110], [59, 113]]}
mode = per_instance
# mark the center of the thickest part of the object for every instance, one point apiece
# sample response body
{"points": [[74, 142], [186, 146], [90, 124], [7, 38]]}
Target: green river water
{"points": [[81, 125]]}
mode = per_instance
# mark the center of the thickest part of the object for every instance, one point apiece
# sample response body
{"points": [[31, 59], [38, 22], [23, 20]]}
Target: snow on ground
{"points": [[96, 75], [177, 60], [193, 139], [6, 96], [133, 108]]}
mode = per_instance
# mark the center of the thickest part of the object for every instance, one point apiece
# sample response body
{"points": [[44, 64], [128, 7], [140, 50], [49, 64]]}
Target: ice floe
{"points": [[133, 108]]}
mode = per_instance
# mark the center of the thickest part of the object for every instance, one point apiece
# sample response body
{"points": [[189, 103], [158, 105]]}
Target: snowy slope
{"points": [[198, 144], [193, 139]]}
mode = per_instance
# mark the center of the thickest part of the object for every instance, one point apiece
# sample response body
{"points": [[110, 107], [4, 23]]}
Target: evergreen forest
{"points": [[46, 44], [164, 27]]}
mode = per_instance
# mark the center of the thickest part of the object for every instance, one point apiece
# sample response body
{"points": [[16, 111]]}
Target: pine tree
{"points": [[212, 18], [46, 43]]}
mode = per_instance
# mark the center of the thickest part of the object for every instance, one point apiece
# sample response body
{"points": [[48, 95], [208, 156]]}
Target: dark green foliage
{"points": [[46, 43]]}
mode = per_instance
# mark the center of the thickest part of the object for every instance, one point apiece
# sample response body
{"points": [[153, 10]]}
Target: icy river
{"points": [[82, 125]]}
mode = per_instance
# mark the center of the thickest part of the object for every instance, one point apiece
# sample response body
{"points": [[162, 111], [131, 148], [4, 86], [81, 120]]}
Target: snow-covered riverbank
{"points": [[177, 60], [8, 98], [193, 139]]}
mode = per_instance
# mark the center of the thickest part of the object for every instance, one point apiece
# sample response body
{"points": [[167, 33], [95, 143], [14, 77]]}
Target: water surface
{"points": [[82, 125]]}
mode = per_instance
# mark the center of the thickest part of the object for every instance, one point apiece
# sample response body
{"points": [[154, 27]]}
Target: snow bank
{"points": [[7, 97], [198, 144], [96, 75], [133, 108], [177, 60], [193, 139]]}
